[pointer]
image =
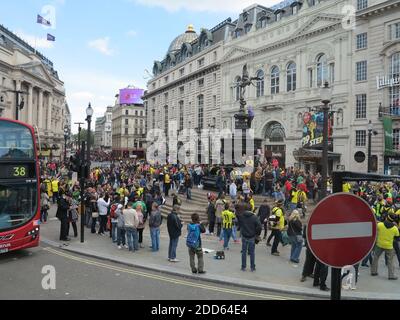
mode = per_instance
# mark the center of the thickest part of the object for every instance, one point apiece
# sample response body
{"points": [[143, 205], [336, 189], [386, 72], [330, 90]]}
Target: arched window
{"points": [[166, 119], [237, 89], [274, 80], [394, 92], [322, 70], [260, 84], [200, 105], [291, 77]]}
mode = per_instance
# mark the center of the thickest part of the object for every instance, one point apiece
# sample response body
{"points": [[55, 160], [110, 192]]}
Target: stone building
{"points": [[42, 93], [103, 131]]}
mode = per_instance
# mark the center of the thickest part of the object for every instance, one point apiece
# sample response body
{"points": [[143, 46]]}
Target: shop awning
{"points": [[313, 155]]}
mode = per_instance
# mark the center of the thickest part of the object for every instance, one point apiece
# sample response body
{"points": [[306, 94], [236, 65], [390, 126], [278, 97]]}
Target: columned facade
{"points": [[40, 90]]}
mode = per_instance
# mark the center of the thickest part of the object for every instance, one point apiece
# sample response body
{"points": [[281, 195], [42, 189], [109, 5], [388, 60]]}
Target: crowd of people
{"points": [[126, 197]]}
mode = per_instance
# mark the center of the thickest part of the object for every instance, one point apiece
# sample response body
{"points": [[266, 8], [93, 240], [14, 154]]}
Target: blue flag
{"points": [[50, 37], [43, 21]]}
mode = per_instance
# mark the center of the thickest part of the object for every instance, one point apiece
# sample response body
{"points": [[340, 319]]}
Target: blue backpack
{"points": [[193, 237]]}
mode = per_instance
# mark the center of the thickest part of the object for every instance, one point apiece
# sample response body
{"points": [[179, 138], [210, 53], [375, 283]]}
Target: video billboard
{"points": [[131, 96], [313, 130]]}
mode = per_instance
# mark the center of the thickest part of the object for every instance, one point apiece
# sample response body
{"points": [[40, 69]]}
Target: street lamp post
{"points": [[66, 135], [326, 97], [371, 132], [89, 113]]}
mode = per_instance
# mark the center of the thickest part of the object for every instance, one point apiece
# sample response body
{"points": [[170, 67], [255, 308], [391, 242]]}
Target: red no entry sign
{"points": [[342, 230]]}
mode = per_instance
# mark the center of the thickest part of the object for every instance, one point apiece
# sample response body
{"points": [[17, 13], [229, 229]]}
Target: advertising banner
{"points": [[131, 96], [313, 130], [388, 127]]}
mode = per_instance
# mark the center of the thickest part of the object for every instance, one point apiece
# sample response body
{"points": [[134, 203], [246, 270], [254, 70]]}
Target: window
{"points": [[361, 71], [215, 78], [214, 101], [394, 31], [126, 122], [126, 131], [201, 83], [182, 72], [136, 113], [294, 9], [396, 139], [274, 80], [361, 106], [362, 4], [127, 112], [153, 119], [238, 33], [136, 131], [181, 90], [394, 92], [311, 3], [361, 42], [260, 84], [291, 77], [166, 97], [200, 104], [247, 28], [361, 138], [166, 119], [310, 78], [237, 89], [215, 55], [331, 73], [166, 79], [278, 16], [322, 70], [181, 116], [200, 62], [136, 122]]}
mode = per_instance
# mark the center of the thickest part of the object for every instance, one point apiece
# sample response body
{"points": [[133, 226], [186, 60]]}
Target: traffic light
{"points": [[75, 163]]}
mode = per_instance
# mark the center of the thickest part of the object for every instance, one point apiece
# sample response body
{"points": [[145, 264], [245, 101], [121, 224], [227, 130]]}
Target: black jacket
{"points": [[211, 212], [250, 225], [174, 225], [62, 210], [264, 212], [295, 228]]}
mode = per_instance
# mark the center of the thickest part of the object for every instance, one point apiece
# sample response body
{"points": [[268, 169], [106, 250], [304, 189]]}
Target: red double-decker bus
{"points": [[19, 187]]}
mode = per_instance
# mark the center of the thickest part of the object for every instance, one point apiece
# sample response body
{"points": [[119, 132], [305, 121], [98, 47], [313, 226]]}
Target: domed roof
{"points": [[187, 37]]}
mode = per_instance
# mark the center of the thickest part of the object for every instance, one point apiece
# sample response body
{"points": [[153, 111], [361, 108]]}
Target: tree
{"points": [[83, 137]]}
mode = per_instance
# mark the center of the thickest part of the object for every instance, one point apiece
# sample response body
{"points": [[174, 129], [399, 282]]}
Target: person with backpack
{"points": [[193, 242], [114, 219], [263, 214], [174, 226], [227, 225], [155, 222]]}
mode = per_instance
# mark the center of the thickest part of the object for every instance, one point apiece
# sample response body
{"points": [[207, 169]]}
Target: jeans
{"points": [[132, 236], [227, 236], [377, 253], [189, 193], [296, 248], [192, 254], [114, 232], [43, 215], [121, 236], [248, 245], [155, 238], [173, 244], [234, 230]]}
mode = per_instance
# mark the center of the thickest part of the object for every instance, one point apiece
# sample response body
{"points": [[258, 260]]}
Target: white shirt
{"points": [[103, 206], [233, 190]]}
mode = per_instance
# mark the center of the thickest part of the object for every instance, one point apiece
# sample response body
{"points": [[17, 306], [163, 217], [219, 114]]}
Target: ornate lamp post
{"points": [[66, 137], [89, 113], [326, 97]]}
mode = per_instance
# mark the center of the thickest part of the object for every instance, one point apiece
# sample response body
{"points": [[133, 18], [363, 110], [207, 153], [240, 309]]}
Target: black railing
{"points": [[391, 111]]}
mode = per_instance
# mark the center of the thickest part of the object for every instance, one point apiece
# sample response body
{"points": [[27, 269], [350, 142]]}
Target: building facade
{"points": [[377, 99], [128, 130], [42, 93], [294, 49], [186, 89], [103, 131]]}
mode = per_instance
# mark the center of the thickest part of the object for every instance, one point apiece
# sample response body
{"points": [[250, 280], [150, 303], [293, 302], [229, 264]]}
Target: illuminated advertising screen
{"points": [[313, 130], [131, 96]]}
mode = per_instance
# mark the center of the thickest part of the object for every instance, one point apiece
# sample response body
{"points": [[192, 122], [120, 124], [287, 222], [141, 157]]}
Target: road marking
{"points": [[166, 279], [341, 230]]}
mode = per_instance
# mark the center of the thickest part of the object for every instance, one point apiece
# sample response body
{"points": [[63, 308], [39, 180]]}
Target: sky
{"points": [[103, 46]]}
